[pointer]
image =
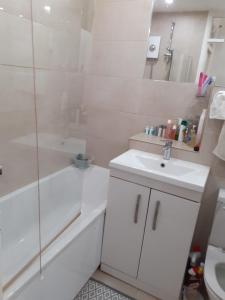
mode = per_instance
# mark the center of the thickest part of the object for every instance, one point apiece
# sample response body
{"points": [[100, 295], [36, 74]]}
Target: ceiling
{"points": [[190, 5]]}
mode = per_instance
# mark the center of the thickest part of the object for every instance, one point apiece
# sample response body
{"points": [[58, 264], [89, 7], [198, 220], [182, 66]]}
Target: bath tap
{"points": [[167, 148]]}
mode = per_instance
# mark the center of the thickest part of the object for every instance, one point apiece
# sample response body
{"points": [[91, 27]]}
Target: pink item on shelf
{"points": [[205, 77], [200, 83]]}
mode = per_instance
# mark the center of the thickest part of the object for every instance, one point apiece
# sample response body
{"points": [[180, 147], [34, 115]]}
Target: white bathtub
{"points": [[68, 261]]}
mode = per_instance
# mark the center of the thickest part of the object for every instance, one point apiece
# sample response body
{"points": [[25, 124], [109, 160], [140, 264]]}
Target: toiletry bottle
{"points": [[160, 130], [182, 131], [178, 128], [147, 130], [151, 131], [187, 135], [156, 129], [164, 131], [168, 129], [173, 132], [192, 140], [177, 133]]}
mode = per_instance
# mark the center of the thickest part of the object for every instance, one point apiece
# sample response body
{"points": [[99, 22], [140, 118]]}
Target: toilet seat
{"points": [[213, 258]]}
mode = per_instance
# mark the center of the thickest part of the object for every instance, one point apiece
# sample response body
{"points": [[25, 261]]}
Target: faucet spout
{"points": [[167, 149]]}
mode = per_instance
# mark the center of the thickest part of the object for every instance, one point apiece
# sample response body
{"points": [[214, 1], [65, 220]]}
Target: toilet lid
{"points": [[217, 237], [214, 258]]}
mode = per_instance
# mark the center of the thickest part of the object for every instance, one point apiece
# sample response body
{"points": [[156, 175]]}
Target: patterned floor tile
{"points": [[94, 290]]}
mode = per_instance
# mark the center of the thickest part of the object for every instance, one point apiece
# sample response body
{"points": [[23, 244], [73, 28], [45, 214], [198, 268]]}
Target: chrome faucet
{"points": [[167, 149]]}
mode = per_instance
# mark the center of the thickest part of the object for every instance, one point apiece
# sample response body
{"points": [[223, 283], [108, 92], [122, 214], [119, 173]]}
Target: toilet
{"points": [[214, 274]]}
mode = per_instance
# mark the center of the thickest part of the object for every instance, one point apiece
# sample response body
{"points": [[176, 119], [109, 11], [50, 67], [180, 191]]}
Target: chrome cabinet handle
{"points": [[154, 223], [136, 213]]}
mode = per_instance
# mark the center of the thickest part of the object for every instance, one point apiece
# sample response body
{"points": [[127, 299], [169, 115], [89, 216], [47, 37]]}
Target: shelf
{"points": [[216, 40], [142, 137]]}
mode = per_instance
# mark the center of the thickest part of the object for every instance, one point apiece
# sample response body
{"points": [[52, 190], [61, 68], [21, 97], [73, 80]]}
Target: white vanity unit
{"points": [[152, 211]]}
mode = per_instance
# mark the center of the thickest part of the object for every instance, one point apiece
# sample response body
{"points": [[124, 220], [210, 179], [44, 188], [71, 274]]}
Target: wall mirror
{"points": [[186, 37]]}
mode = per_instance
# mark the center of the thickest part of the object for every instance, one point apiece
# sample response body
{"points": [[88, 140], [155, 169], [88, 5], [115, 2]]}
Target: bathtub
{"points": [[69, 256]]}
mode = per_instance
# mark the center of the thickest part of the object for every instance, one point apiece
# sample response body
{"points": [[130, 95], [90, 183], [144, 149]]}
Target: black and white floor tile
{"points": [[94, 290]]}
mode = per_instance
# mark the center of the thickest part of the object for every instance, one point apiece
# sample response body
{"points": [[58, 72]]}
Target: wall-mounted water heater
{"points": [[153, 46]]}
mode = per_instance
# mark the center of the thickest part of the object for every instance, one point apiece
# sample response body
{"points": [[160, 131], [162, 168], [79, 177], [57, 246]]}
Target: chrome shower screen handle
{"points": [[137, 206], [155, 218]]}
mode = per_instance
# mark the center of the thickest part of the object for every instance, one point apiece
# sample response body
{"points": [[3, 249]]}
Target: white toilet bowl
{"points": [[214, 274]]}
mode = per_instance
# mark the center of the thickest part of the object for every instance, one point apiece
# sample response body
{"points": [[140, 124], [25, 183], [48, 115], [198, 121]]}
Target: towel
{"points": [[217, 109], [220, 148]]}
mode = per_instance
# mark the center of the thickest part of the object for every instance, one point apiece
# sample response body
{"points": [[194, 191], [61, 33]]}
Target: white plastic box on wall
{"points": [[153, 46]]}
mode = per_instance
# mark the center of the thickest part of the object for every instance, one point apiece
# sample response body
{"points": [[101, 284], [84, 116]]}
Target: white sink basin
{"points": [[177, 172]]}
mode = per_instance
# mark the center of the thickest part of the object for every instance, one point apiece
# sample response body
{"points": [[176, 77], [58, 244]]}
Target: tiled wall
{"points": [[118, 102], [41, 76], [17, 109], [121, 107], [120, 31], [113, 84]]}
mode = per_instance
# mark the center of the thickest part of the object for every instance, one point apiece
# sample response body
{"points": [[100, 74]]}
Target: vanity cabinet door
{"points": [[124, 226], [169, 230]]}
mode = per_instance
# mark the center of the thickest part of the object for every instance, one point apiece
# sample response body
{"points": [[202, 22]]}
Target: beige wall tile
{"points": [[59, 94], [15, 36], [110, 125], [119, 28], [16, 86], [57, 34], [170, 99], [56, 49], [116, 93], [104, 150], [119, 58], [16, 8]]}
